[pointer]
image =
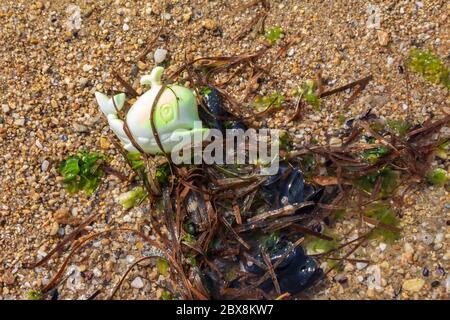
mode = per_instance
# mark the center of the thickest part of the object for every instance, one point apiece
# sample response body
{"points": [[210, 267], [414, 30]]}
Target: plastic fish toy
{"points": [[175, 118]]}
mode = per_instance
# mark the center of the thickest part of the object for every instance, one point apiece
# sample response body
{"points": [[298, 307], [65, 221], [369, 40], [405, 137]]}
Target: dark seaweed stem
{"points": [[361, 83], [130, 90]]}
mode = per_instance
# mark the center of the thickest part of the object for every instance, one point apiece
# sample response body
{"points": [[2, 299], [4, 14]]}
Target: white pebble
{"points": [[439, 238], [361, 265], [382, 246], [160, 55], [126, 27], [130, 258], [39, 144], [390, 60], [87, 68], [137, 283], [127, 218], [97, 272], [44, 165]]}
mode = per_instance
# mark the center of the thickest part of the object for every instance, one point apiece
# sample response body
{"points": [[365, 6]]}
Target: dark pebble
{"points": [[440, 271], [435, 284], [425, 272]]}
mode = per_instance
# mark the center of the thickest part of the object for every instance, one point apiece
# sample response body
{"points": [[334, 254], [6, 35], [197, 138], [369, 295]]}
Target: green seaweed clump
{"points": [[273, 34], [316, 245], [372, 155], [163, 172], [166, 295], [136, 160], [429, 66], [205, 91], [438, 177], [388, 184], [132, 198], [269, 242], [273, 100], [443, 150], [385, 215], [82, 171]]}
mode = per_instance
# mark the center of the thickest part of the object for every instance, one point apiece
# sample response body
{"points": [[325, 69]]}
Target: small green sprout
{"points": [[132, 198], [372, 155], [274, 100], [82, 171], [385, 215], [273, 34], [438, 177], [308, 91], [316, 245], [429, 66], [35, 295], [399, 127]]}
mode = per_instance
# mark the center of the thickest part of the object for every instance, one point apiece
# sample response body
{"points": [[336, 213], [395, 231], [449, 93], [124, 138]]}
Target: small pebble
{"points": [[44, 165], [87, 68], [440, 272], [166, 16], [383, 38], [19, 122], [137, 283], [160, 55], [390, 61], [126, 27], [413, 285], [361, 265], [435, 284]]}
